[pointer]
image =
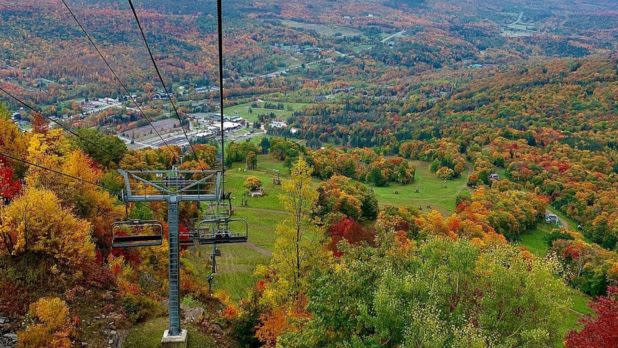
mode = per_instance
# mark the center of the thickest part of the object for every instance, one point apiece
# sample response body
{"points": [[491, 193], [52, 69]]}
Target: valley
{"points": [[411, 173]]}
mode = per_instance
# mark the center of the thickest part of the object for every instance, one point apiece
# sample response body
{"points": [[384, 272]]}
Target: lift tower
{"points": [[171, 186]]}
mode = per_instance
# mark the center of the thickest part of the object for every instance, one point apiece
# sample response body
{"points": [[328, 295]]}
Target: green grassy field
{"points": [[426, 192], [243, 110], [534, 240], [238, 262], [148, 335]]}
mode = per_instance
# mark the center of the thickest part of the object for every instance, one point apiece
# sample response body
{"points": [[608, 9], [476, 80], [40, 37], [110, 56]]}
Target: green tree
{"points": [[440, 293], [105, 149], [265, 145]]}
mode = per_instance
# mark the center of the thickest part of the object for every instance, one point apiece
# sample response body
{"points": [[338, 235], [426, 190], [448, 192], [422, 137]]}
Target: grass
{"points": [[235, 267], [242, 110], [238, 262], [534, 239], [149, 335], [426, 192]]}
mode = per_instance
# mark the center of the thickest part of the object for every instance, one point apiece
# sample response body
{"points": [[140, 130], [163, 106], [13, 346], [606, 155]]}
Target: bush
{"points": [[253, 183], [445, 173], [555, 235], [50, 326], [140, 308]]}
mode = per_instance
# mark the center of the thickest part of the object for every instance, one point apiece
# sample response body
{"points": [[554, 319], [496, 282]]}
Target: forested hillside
{"points": [[422, 173]]}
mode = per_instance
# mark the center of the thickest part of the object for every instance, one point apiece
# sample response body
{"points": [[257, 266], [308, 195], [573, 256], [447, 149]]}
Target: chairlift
{"points": [[218, 229], [136, 233]]}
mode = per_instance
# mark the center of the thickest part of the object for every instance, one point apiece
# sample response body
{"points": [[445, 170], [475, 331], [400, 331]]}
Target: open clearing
{"points": [[425, 193], [238, 262], [322, 29], [148, 335], [251, 114]]}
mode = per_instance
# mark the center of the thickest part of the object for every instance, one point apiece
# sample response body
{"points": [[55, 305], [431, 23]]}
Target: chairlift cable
{"points": [[154, 62], [220, 46], [63, 126], [3, 154], [122, 84]]}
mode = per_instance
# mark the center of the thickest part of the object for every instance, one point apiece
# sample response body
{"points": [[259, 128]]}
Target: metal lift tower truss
{"points": [[172, 186]]}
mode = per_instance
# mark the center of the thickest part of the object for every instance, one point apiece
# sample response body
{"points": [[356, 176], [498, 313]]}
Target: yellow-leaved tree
{"points": [[297, 250], [12, 140], [50, 327], [86, 201], [298, 243], [36, 222]]}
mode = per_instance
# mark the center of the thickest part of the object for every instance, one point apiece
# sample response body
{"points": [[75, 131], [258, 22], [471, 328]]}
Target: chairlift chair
{"points": [[136, 233], [218, 229]]}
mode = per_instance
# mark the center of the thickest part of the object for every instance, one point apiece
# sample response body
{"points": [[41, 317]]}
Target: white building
{"points": [[278, 124]]}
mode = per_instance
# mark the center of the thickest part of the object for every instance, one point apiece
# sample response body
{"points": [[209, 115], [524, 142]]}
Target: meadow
{"points": [[250, 113], [425, 193]]}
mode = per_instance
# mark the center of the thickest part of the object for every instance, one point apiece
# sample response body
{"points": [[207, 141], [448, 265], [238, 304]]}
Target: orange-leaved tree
{"points": [[50, 326]]}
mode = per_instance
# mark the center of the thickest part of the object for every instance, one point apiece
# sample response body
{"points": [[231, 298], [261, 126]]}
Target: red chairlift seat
{"points": [[136, 233]]}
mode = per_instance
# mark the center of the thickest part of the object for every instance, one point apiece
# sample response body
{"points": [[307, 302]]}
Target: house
{"points": [[494, 177], [552, 219], [278, 124], [257, 193]]}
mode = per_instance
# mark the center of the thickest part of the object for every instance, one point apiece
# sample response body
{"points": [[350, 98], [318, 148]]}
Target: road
{"points": [[399, 34], [519, 18]]}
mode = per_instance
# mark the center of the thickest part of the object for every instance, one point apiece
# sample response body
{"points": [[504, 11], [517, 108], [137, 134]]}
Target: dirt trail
{"points": [[258, 249]]}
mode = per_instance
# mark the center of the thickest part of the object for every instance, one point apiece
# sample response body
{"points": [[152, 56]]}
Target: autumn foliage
{"points": [[600, 330], [347, 229], [50, 325], [9, 186], [36, 222]]}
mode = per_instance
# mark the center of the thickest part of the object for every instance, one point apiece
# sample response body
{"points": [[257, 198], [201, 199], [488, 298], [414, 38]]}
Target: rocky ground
{"points": [[8, 334]]}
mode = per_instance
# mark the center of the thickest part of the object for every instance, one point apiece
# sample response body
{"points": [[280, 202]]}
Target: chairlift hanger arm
{"points": [[185, 193], [210, 197]]}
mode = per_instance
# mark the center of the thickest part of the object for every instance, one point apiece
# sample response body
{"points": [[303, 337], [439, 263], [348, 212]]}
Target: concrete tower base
{"points": [[179, 341]]}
